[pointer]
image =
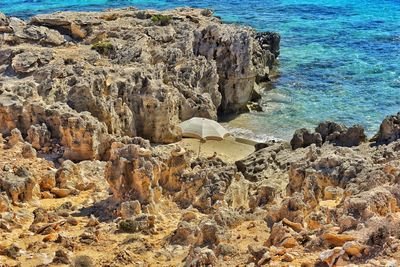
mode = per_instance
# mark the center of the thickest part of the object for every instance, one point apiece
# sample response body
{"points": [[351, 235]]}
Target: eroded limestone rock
{"points": [[200, 257], [131, 176], [18, 185], [28, 151], [130, 73], [330, 132], [389, 130], [38, 135]]}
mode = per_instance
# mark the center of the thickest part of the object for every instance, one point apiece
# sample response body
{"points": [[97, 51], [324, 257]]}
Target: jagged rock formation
{"points": [[18, 185], [389, 130], [303, 138], [327, 205], [138, 73], [39, 136], [82, 136], [76, 88], [330, 132], [132, 173]]}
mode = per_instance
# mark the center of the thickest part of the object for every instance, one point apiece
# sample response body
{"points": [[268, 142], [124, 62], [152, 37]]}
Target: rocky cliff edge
{"points": [[134, 72]]}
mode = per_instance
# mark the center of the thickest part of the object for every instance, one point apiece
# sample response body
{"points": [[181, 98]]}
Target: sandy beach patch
{"points": [[229, 149]]}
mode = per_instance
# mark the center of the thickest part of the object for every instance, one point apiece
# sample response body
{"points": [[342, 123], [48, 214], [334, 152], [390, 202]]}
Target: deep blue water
{"points": [[340, 59]]}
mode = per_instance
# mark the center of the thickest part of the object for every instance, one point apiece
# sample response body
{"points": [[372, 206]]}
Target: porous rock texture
{"points": [[389, 129], [329, 205], [330, 132], [157, 205], [79, 188], [128, 72]]}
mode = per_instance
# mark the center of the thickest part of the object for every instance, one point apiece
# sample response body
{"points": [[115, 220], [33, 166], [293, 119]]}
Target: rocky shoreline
{"points": [[82, 97], [136, 72]]}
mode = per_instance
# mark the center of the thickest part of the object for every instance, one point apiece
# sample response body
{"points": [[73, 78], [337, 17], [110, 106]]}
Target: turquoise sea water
{"points": [[340, 59]]}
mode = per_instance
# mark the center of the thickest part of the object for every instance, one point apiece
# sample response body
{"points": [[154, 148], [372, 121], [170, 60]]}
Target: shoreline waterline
{"points": [[337, 62]]}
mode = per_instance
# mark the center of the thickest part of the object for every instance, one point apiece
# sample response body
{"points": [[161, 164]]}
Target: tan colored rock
{"points": [[337, 240], [18, 186], [131, 176], [38, 136], [28, 62], [353, 249], [333, 193], [288, 257], [282, 236], [237, 194], [188, 216], [144, 152], [200, 257], [93, 221], [257, 251], [82, 139], [130, 209], [68, 175], [82, 135], [389, 129], [4, 203], [77, 31], [28, 151], [295, 226], [331, 256], [178, 152], [187, 234], [60, 192], [50, 237], [171, 176], [15, 137], [48, 181], [46, 195], [146, 97]]}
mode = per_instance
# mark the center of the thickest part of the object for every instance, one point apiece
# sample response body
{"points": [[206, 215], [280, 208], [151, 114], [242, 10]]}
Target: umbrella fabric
{"points": [[201, 128]]}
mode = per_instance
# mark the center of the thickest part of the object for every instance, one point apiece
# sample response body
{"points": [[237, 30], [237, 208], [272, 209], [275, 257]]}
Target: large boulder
{"points": [[340, 135], [389, 130], [18, 186], [330, 132], [304, 138], [133, 174], [39, 136]]}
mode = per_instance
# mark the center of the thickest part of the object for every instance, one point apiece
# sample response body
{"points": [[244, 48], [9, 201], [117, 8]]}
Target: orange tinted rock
{"points": [[46, 194], [50, 237], [290, 243], [295, 226], [60, 192], [353, 249], [337, 239], [312, 224], [330, 256]]}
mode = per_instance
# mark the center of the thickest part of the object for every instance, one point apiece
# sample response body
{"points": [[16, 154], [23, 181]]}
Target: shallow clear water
{"points": [[340, 60]]}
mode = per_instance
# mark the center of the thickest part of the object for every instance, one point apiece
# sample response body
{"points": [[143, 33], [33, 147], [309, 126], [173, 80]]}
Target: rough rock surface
{"points": [[95, 195], [133, 174], [322, 205], [330, 132], [18, 185], [137, 72], [389, 129]]}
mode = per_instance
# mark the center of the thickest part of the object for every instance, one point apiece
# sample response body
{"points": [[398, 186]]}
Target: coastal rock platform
{"points": [[86, 97], [137, 72]]}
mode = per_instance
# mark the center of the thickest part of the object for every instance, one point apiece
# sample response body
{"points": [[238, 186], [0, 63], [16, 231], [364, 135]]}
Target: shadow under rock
{"points": [[103, 210]]}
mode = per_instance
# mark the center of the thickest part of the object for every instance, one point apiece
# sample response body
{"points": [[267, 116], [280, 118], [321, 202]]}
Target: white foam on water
{"points": [[276, 98], [250, 135]]}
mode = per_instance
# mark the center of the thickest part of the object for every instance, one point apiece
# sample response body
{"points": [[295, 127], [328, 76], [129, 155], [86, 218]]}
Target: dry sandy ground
{"points": [[229, 149]]}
